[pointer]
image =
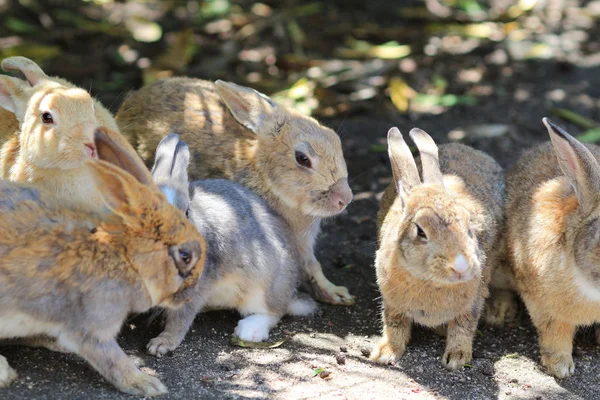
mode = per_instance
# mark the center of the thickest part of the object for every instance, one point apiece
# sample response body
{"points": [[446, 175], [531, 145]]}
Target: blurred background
{"points": [[475, 69]]}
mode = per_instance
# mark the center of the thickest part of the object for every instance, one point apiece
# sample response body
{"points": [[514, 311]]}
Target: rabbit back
{"points": [[248, 244]]}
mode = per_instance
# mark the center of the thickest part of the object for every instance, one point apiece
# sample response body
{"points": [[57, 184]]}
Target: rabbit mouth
{"points": [[459, 277]]}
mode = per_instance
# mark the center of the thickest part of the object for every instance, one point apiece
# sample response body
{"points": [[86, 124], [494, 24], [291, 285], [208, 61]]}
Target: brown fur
{"points": [[76, 275], [51, 156], [235, 133], [549, 239], [462, 216]]}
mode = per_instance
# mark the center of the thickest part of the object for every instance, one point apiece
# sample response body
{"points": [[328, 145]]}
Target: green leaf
{"points": [[590, 136], [236, 341], [574, 118], [512, 355], [19, 26], [447, 100], [479, 332], [317, 371], [378, 148]]}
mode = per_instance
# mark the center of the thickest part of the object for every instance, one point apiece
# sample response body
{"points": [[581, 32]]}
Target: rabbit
{"points": [[251, 263], [436, 239], [109, 150], [75, 275], [552, 218], [55, 133], [237, 133]]}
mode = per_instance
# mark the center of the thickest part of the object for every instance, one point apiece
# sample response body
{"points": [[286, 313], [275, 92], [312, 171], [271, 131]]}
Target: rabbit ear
{"points": [[250, 108], [577, 163], [120, 191], [12, 94], [404, 169], [171, 161], [114, 148], [429, 156], [33, 73]]}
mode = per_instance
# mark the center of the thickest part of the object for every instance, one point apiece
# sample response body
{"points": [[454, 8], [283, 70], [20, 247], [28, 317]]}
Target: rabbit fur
{"points": [[251, 263], [75, 275], [49, 128], [436, 244], [552, 225], [237, 133]]}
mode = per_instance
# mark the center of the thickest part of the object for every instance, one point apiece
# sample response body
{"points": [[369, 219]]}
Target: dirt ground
{"points": [[505, 364], [515, 94]]}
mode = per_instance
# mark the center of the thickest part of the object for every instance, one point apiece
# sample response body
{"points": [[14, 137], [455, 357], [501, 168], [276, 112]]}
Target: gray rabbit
{"points": [[252, 263]]}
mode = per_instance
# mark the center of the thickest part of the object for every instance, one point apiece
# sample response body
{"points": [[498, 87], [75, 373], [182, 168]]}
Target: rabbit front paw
{"points": [[254, 328], [327, 292], [7, 374], [456, 358], [141, 384], [162, 344], [560, 365], [385, 353]]}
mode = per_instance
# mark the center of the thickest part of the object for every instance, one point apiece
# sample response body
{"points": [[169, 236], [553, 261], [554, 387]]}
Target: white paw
{"points": [[7, 374], [255, 328]]}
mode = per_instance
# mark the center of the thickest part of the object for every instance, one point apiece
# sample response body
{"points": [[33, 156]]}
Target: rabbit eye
{"points": [[187, 213], [421, 232], [302, 159], [185, 256], [47, 118]]}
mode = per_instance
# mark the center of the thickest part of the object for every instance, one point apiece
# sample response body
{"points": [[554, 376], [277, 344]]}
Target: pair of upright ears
{"points": [[404, 168], [576, 161]]}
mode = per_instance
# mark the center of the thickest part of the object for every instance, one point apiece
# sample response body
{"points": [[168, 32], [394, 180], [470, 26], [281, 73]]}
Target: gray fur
{"points": [[247, 242], [78, 305]]}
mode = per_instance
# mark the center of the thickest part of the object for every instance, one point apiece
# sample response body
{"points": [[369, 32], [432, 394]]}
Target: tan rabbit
{"points": [[75, 275], [237, 133], [553, 225], [436, 239], [56, 125]]}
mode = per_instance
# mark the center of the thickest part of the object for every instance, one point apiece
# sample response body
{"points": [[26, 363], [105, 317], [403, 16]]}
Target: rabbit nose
{"points": [[341, 193], [90, 149], [460, 264]]}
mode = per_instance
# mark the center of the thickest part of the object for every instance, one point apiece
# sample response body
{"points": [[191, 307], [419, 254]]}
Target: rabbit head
{"points": [[582, 173], [57, 122], [170, 171], [434, 238], [163, 246], [301, 160]]}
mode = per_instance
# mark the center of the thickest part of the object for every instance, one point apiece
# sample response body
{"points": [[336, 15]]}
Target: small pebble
{"points": [[343, 349], [365, 351], [325, 374], [228, 366], [340, 358], [514, 380]]}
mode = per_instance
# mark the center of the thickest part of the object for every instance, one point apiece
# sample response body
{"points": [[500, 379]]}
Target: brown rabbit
{"points": [[436, 242], [553, 221], [237, 133], [55, 133], [75, 275]]}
